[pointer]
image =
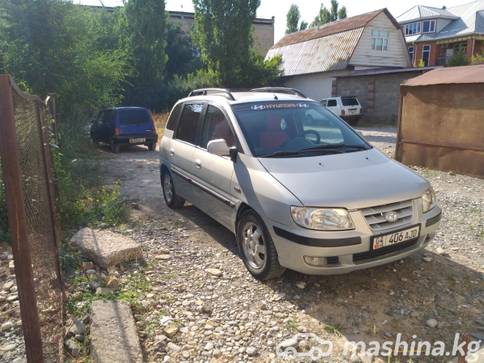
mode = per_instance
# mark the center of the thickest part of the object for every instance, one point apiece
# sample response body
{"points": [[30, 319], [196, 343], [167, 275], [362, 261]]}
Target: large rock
{"points": [[113, 333], [106, 248]]}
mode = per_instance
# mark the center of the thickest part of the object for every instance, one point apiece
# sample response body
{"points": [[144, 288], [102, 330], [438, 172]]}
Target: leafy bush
{"points": [[83, 200], [459, 58], [477, 59]]}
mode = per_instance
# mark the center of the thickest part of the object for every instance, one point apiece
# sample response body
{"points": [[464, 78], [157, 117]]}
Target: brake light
{"points": [[117, 131]]}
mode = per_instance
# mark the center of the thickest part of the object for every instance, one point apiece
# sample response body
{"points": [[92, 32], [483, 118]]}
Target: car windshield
{"points": [[135, 116], [295, 129], [349, 101]]}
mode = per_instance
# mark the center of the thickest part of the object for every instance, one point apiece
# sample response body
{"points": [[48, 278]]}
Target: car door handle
{"points": [[172, 152], [198, 163]]}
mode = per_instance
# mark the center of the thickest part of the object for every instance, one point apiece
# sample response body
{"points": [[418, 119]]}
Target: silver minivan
{"points": [[298, 187]]}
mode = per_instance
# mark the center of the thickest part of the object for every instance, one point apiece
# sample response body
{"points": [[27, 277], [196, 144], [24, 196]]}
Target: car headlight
{"points": [[428, 200], [324, 219]]}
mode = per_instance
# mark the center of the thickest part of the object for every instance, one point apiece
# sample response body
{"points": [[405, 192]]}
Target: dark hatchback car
{"points": [[124, 126]]}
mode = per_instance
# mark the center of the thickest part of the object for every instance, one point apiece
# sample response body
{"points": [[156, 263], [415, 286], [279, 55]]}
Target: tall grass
{"points": [[160, 120]]}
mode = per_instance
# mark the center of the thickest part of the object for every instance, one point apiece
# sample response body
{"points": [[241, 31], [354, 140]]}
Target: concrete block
{"points": [[106, 248], [113, 333]]}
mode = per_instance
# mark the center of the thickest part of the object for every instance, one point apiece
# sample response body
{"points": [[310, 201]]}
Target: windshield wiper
{"points": [[335, 147], [281, 154]]}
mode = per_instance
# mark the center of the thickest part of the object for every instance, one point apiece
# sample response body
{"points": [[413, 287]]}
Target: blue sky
{"points": [[308, 8]]}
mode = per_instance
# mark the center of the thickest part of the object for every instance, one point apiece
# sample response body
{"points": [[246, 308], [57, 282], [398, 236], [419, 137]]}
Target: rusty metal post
{"points": [[17, 223]]}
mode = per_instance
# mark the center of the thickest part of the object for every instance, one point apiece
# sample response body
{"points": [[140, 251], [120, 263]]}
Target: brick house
{"points": [[434, 35]]}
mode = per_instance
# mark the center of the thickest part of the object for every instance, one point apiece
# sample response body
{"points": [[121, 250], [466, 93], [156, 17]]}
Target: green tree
{"points": [[182, 58], [146, 33], [55, 46], [459, 58], [326, 16], [223, 34], [322, 18], [342, 13], [304, 25], [293, 16]]}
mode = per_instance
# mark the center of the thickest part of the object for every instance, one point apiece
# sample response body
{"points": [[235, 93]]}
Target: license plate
{"points": [[395, 237], [138, 140]]}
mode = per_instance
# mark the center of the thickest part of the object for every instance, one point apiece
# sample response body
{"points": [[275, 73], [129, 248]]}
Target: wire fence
{"points": [[33, 228]]}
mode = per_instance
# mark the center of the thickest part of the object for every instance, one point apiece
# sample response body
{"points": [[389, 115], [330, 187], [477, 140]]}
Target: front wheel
{"points": [[151, 146], [172, 200], [256, 247]]}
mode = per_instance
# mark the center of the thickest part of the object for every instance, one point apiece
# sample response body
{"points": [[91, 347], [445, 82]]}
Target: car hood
{"points": [[352, 180]]}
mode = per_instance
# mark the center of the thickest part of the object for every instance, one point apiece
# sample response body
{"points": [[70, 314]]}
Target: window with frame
{"points": [[107, 117], [379, 40], [428, 26], [188, 125], [174, 116], [331, 103], [216, 127], [412, 28], [426, 55], [411, 53]]}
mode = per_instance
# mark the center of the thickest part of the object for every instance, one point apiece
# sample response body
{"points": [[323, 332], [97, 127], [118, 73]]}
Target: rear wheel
{"points": [[256, 247], [172, 200]]}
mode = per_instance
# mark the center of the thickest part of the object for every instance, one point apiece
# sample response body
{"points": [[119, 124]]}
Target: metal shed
{"points": [[441, 120]]}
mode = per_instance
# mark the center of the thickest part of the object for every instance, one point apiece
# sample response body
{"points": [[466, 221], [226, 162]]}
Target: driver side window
{"points": [[216, 127]]}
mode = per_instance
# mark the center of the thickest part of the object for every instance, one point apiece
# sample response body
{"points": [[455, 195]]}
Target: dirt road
{"points": [[189, 313]]}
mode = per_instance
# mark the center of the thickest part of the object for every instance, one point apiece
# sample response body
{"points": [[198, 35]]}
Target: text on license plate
{"points": [[138, 140], [395, 237]]}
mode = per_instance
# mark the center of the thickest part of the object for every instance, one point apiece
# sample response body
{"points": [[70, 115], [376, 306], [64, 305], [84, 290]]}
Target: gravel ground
{"points": [[193, 313], [198, 303], [12, 348]]}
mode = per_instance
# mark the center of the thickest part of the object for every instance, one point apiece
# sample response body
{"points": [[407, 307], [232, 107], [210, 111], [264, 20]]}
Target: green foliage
{"points": [[304, 25], [420, 63], [223, 34], [459, 58], [327, 16], [477, 58], [146, 36], [292, 19], [56, 46], [342, 13]]}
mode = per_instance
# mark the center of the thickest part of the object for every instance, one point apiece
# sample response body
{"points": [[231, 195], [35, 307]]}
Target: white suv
{"points": [[298, 187], [348, 108]]}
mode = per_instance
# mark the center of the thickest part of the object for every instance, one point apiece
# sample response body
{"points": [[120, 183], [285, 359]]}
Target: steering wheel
{"points": [[312, 132]]}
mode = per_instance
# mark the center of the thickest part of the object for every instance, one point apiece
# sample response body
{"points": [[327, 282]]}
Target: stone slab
{"points": [[113, 333], [106, 248]]}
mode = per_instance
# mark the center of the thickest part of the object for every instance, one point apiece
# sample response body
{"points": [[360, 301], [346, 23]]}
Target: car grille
{"points": [[375, 216]]}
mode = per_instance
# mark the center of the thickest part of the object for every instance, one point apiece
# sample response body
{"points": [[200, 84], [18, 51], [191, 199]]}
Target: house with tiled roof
{"points": [[434, 35], [313, 58]]}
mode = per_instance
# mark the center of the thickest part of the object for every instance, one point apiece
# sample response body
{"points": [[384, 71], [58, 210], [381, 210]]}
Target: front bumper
{"points": [[347, 251]]}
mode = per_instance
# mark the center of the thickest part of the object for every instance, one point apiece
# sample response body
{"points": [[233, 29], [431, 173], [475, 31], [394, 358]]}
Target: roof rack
{"points": [[286, 90], [206, 91]]}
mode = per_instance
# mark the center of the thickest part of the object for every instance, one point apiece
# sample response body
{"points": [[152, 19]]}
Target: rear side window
{"points": [[188, 125], [107, 117], [331, 103], [174, 116], [349, 101], [134, 117]]}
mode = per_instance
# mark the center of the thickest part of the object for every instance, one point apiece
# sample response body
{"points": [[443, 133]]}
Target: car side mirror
{"points": [[218, 147]]}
